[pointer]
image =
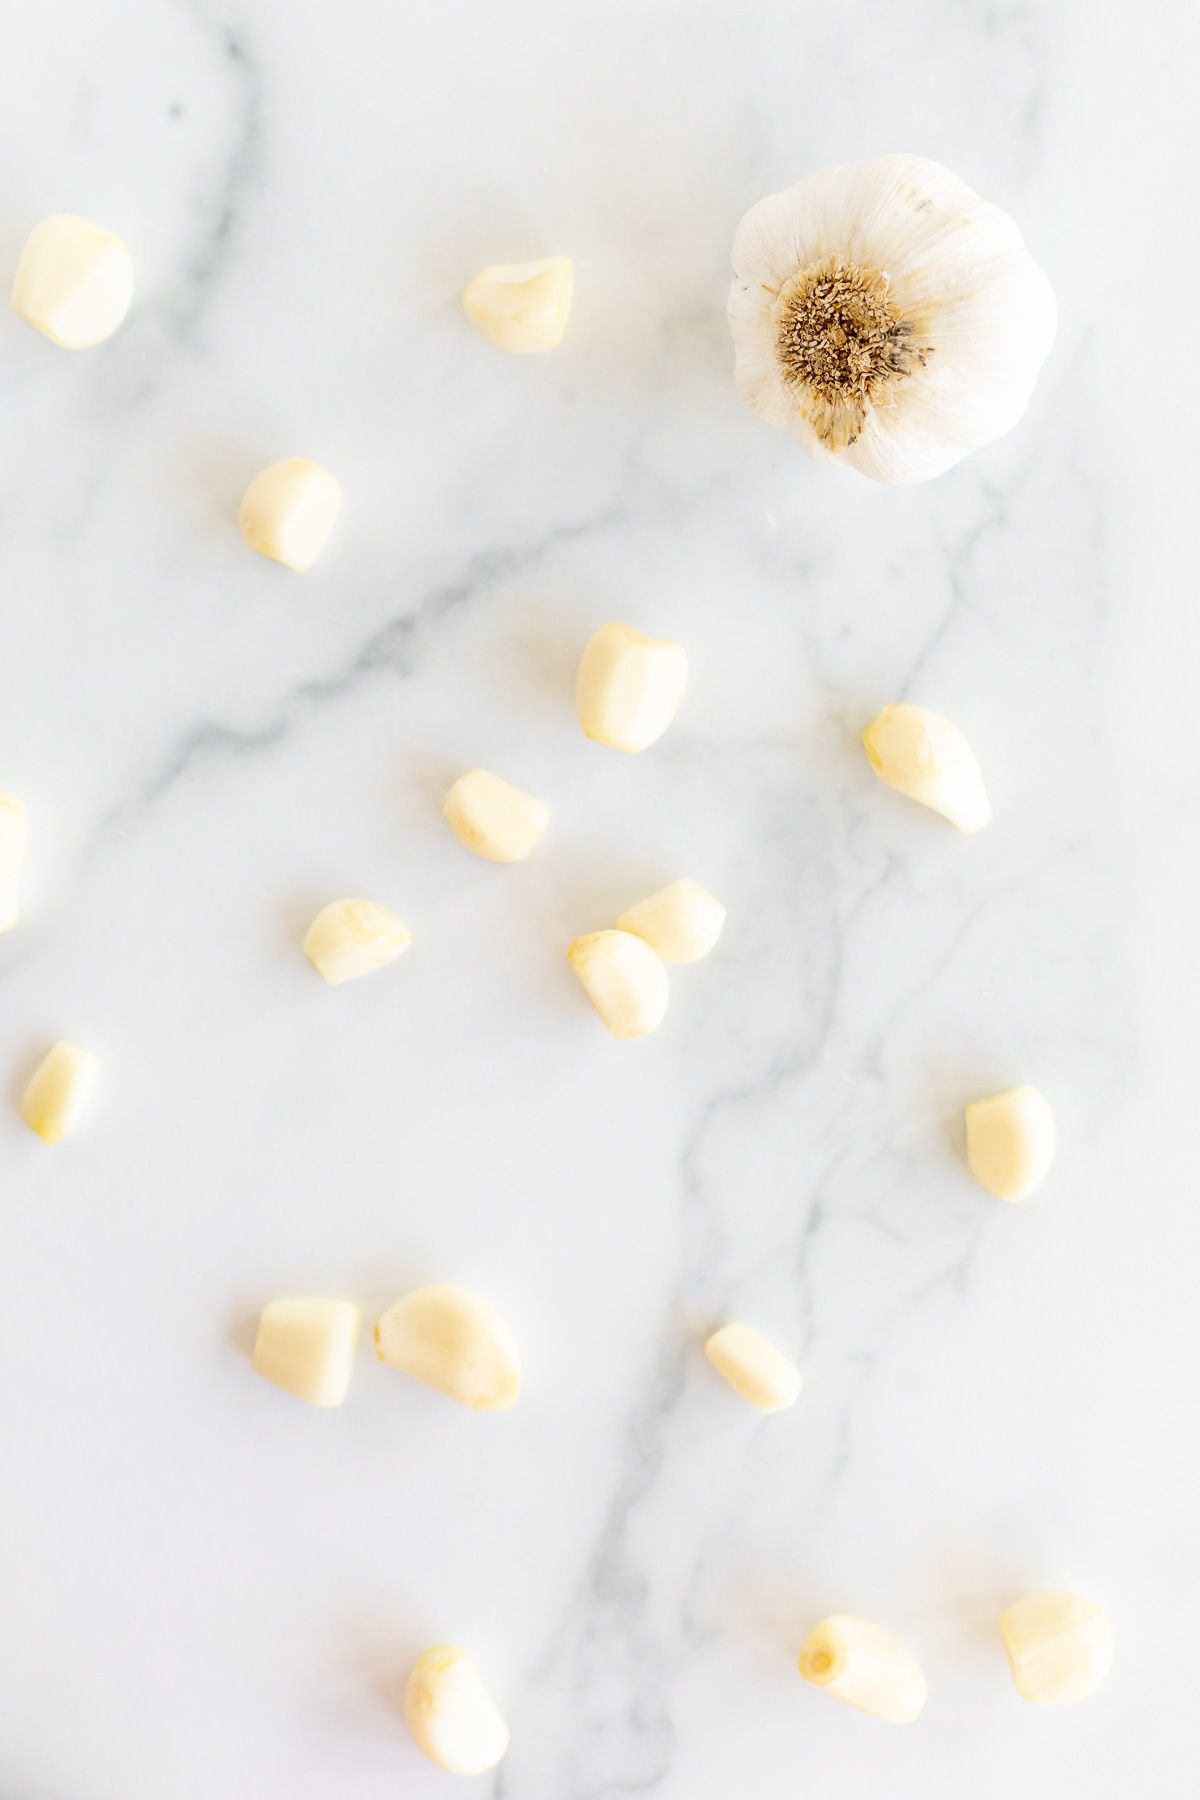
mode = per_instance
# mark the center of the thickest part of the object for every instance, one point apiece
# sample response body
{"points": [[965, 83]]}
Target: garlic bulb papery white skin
{"points": [[887, 316]]}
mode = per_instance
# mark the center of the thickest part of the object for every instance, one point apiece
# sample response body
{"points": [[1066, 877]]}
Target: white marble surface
{"points": [[209, 1590]]}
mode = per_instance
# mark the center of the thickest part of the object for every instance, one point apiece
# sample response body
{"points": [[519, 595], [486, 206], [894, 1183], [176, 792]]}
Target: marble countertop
{"points": [[209, 1590]]}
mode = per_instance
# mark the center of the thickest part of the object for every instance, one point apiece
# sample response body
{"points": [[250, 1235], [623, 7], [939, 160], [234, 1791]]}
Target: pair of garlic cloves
{"points": [[1059, 1649], [446, 1337], [623, 970]]}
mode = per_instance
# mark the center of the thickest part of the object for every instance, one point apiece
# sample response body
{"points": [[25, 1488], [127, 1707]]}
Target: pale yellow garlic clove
{"points": [[682, 922], [452, 1717], [455, 1342], [522, 307], [1010, 1142], [14, 835], [865, 1666], [920, 754], [288, 512], [349, 938], [1060, 1647], [625, 980], [307, 1346], [628, 687], [493, 818], [74, 281], [56, 1097], [754, 1368]]}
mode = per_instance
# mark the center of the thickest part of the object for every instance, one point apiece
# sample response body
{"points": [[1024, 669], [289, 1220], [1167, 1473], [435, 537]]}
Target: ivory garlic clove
{"points": [[453, 1341], [14, 835], [74, 281], [920, 754], [1010, 1142], [628, 687], [288, 512], [493, 818], [625, 980], [55, 1099], [866, 1667], [307, 1346], [887, 316], [1060, 1647], [349, 938], [450, 1714], [522, 307], [754, 1368], [682, 922]]}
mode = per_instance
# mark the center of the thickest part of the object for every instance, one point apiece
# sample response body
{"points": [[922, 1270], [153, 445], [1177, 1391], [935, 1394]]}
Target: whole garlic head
{"points": [[887, 316]]}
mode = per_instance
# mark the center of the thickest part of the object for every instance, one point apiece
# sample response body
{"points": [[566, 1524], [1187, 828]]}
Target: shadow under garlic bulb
{"points": [[887, 317]]}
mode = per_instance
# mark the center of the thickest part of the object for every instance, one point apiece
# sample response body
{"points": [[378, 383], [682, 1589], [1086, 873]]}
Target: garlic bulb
{"points": [[887, 316]]}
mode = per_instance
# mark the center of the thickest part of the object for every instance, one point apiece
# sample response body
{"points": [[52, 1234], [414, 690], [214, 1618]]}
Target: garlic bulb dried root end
{"points": [[288, 512], [74, 281], [349, 938], [628, 687], [864, 1666], [450, 1714], [522, 307], [1059, 1645], [452, 1340], [754, 1368], [920, 754], [14, 836], [625, 980], [682, 922], [55, 1099], [493, 818], [307, 1346], [1010, 1142], [887, 317]]}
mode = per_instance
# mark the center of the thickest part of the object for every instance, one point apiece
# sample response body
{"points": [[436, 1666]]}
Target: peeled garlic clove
{"points": [[1010, 1142], [887, 317], [523, 307], [754, 1368], [14, 835], [866, 1667], [624, 979], [56, 1097], [288, 512], [451, 1715], [629, 687], [307, 1346], [682, 922], [74, 281], [1060, 1647], [349, 938], [455, 1342], [920, 754], [494, 819]]}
